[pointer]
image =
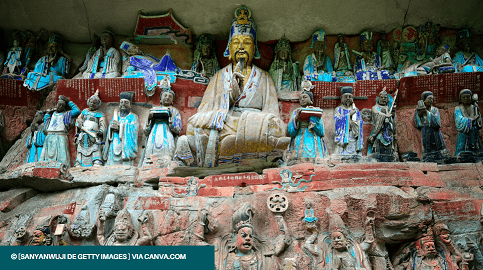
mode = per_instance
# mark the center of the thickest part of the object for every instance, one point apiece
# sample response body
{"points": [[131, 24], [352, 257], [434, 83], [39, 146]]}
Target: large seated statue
{"points": [[205, 61], [239, 108], [465, 60], [342, 62], [368, 63], [50, 68], [317, 66], [442, 63], [106, 62]]}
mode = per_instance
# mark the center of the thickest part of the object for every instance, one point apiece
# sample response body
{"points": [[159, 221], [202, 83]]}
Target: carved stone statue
{"points": [[445, 246], [21, 236], [91, 127], [50, 68], [442, 63], [192, 188], [244, 250], [125, 234], [134, 60], [205, 61], [81, 228], [31, 46], [368, 63], [285, 73], [306, 128], [238, 95], [465, 60], [384, 51], [95, 41], [337, 250], [206, 224], [161, 130], [317, 66], [57, 122], [382, 140], [121, 146], [468, 123], [36, 138], [348, 125], [106, 62], [427, 119], [342, 63], [13, 62]]}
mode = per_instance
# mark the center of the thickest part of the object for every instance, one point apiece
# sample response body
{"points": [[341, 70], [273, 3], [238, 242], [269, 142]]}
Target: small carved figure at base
{"points": [[428, 119]]}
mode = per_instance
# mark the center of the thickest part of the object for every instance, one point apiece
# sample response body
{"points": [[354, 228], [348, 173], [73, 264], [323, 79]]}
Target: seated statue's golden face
{"points": [[242, 47]]}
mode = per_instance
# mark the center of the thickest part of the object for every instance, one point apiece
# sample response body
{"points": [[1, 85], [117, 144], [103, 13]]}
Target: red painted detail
{"points": [[67, 209], [52, 173], [461, 209], [226, 180]]}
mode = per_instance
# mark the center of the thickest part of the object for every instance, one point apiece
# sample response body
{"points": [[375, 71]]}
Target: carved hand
{"points": [[115, 125]]}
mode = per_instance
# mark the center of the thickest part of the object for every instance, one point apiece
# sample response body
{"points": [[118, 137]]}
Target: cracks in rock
{"points": [[87, 18], [406, 13]]}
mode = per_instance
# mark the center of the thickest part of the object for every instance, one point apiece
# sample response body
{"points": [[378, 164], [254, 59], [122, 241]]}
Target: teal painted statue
{"points": [[306, 128], [56, 126], [285, 73], [121, 147], [161, 130], [91, 127], [342, 63], [13, 62], [50, 68], [317, 66], [36, 138], [468, 122], [465, 60]]}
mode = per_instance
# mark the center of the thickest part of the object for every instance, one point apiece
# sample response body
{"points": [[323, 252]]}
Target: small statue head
{"points": [[61, 104], [338, 240], [123, 227], [286, 175], [94, 102], [130, 48], [427, 98], [383, 98], [306, 98], [95, 40], [444, 48], [442, 232], [109, 207], [17, 38], [107, 39], [125, 101], [205, 47], [464, 40], [242, 225], [242, 43], [367, 44], [340, 39], [318, 41], [20, 234], [167, 97], [425, 245], [54, 44], [41, 236], [465, 96], [346, 96], [283, 50]]}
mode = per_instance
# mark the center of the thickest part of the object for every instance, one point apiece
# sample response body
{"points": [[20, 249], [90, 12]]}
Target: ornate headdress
{"points": [[55, 39], [366, 35], [425, 238], [464, 34], [243, 217], [124, 217], [109, 32], [283, 43], [318, 36], [95, 96], [245, 26], [336, 225]]}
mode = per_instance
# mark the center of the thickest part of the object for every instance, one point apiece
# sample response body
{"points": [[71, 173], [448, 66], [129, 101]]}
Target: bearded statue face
{"points": [[242, 47], [244, 241]]}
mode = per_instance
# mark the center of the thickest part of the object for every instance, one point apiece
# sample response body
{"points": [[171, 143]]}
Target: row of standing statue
{"points": [[222, 130], [334, 247], [387, 62]]}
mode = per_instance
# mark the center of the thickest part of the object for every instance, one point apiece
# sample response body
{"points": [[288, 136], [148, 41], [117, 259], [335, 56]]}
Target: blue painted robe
{"points": [[44, 75], [474, 65], [56, 145], [13, 63], [468, 137], [149, 65], [35, 144], [369, 70], [124, 143], [305, 143], [430, 124], [310, 69], [348, 139], [161, 141]]}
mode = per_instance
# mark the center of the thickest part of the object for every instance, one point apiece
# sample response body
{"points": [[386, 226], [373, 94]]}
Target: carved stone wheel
{"points": [[277, 203]]}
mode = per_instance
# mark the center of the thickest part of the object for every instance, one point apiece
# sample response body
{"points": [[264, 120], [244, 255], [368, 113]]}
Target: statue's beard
{"points": [[124, 111], [239, 51]]}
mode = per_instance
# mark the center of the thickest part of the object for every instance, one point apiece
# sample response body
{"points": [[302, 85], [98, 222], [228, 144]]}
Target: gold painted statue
{"points": [[238, 96]]}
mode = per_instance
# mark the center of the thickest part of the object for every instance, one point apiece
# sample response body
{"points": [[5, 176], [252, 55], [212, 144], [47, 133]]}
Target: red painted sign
{"points": [[67, 209], [152, 203]]}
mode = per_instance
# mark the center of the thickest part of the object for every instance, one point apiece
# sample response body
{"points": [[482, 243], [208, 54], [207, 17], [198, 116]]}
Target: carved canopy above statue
{"points": [[161, 29]]}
